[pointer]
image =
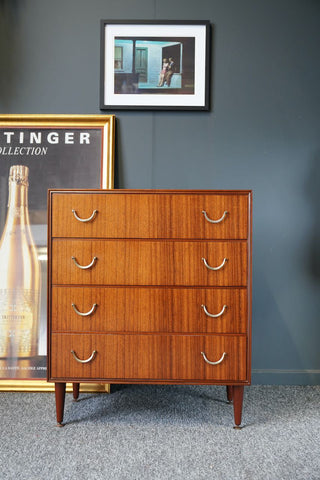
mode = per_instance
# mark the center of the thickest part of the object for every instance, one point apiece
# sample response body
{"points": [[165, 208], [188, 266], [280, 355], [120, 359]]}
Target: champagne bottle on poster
{"points": [[19, 274]]}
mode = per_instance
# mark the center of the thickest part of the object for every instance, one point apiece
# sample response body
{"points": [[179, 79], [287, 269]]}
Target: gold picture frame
{"points": [[79, 151]]}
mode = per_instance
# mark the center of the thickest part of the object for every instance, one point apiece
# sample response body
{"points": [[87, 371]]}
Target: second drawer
{"points": [[145, 262], [141, 309]]}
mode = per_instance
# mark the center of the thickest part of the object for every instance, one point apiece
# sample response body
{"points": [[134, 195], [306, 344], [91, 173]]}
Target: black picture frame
{"points": [[136, 72]]}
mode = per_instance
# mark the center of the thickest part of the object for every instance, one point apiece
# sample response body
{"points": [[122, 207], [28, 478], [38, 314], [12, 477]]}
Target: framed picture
{"points": [[155, 65], [38, 152]]}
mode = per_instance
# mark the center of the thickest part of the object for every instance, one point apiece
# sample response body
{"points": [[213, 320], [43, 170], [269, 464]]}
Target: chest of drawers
{"points": [[149, 286]]}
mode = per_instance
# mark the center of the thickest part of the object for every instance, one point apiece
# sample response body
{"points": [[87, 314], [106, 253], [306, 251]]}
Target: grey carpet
{"points": [[162, 432]]}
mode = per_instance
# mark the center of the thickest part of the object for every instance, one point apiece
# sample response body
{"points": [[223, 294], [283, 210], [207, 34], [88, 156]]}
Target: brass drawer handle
{"points": [[84, 361], [84, 267], [214, 268], [225, 213], [212, 314], [84, 220], [214, 363], [86, 314]]}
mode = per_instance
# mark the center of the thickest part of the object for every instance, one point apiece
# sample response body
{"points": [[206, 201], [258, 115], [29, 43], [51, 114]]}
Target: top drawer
{"points": [[150, 215]]}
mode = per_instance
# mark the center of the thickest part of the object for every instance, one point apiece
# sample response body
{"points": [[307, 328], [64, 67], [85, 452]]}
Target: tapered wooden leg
{"points": [[229, 393], [237, 404], [75, 390], [60, 392]]}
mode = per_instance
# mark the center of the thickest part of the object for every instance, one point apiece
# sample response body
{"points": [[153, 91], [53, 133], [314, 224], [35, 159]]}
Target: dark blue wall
{"points": [[261, 133]]}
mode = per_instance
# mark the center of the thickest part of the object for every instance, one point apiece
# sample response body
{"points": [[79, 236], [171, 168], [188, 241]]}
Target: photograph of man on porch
{"points": [[154, 65]]}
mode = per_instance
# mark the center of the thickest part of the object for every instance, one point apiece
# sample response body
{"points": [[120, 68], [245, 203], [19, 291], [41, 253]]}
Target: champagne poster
{"points": [[33, 159]]}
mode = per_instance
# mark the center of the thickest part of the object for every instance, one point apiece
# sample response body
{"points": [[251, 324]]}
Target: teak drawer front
{"points": [[142, 309], [148, 357], [133, 262], [145, 215]]}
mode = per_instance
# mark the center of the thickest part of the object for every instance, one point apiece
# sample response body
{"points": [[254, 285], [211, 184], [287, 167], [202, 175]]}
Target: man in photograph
{"points": [[170, 71]]}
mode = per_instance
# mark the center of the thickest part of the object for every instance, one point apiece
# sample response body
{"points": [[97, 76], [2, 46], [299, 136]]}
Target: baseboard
{"points": [[285, 377]]}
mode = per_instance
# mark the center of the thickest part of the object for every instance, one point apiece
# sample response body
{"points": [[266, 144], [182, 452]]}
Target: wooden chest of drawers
{"points": [[149, 286]]}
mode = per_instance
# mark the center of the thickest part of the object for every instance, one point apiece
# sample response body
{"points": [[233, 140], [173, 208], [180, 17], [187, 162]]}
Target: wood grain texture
{"points": [[149, 357], [145, 262], [143, 309], [150, 215]]}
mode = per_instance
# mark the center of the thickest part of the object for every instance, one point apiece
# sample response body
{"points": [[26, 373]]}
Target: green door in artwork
{"points": [[141, 66]]}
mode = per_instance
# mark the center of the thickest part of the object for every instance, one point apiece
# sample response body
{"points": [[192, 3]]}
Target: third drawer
{"points": [[143, 309]]}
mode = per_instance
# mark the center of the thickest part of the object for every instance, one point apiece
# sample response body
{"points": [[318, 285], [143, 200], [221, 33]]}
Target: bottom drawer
{"points": [[148, 357]]}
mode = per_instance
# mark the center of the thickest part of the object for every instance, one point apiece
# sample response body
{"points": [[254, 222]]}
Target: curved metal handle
{"points": [[214, 268], [214, 363], [83, 361], [84, 220], [214, 315], [86, 314], [225, 213], [84, 267]]}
